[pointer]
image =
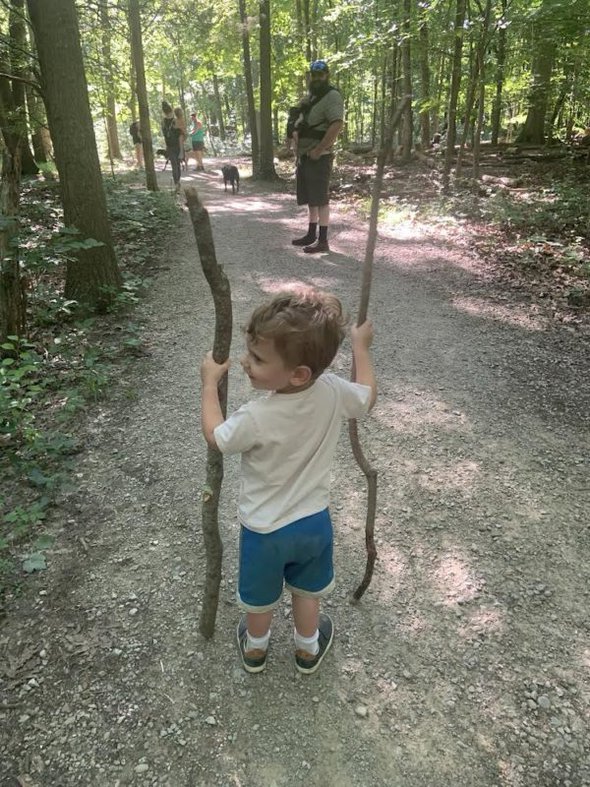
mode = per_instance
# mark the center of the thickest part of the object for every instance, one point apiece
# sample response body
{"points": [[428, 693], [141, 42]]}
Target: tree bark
{"points": [[12, 292], [267, 167], [533, 130], [92, 278], [454, 92], [38, 122], [249, 88], [481, 54], [151, 181], [425, 133], [221, 293], [219, 107], [111, 111], [19, 45], [500, 63], [408, 120]]}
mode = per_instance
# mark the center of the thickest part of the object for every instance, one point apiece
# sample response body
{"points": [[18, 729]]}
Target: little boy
{"points": [[287, 442]]}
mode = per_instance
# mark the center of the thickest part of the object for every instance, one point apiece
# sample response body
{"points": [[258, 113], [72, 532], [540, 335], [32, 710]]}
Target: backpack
{"points": [[170, 131], [302, 126]]}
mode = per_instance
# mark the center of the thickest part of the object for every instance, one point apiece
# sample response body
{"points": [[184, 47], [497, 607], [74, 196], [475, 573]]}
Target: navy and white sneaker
{"points": [[252, 660], [307, 663]]}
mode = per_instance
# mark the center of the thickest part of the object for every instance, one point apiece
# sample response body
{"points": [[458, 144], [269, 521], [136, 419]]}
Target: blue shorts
{"points": [[298, 555]]}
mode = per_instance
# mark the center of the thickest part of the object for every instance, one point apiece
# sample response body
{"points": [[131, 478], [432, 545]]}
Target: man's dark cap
{"points": [[319, 65]]}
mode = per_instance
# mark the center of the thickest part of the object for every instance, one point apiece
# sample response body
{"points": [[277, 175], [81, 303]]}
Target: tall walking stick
{"points": [[219, 284], [367, 275]]}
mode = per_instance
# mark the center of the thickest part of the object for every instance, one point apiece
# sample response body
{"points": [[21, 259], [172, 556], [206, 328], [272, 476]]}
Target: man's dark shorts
{"points": [[198, 145], [313, 180]]}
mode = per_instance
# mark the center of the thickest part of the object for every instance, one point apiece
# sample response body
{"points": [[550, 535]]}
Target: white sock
{"points": [[258, 643], [309, 644]]}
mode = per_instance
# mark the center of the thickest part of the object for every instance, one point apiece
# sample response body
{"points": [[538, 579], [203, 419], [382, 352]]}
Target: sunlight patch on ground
{"points": [[455, 581], [284, 285], [482, 621], [414, 412], [460, 476], [239, 204], [513, 315]]}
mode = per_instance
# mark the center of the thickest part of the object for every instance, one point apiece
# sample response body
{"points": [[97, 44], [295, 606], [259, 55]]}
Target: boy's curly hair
{"points": [[307, 327]]}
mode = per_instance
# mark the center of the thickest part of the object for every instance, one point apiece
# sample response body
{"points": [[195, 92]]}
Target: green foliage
{"points": [[66, 365]]}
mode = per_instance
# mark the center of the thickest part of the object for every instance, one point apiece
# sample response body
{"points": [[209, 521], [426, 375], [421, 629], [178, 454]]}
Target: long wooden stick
{"points": [[219, 284], [367, 275]]}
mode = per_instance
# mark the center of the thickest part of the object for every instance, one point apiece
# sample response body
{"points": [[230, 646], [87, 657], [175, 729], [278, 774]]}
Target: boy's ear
{"points": [[301, 375]]}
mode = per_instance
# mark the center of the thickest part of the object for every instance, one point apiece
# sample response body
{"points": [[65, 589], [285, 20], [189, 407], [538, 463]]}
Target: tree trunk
{"points": [[469, 103], [151, 181], [533, 130], [454, 92], [267, 168], [38, 121], [425, 134], [481, 54], [500, 63], [12, 293], [111, 110], [307, 23], [18, 49], [219, 107], [408, 122], [92, 278], [249, 88]]}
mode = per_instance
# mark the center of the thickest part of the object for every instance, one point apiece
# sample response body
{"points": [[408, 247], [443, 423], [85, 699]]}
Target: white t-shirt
{"points": [[288, 442]]}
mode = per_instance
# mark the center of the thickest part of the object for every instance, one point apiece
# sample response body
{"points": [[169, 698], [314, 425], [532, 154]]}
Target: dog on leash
{"points": [[231, 175], [162, 152]]}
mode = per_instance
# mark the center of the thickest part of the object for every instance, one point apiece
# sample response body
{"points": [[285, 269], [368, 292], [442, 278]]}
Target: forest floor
{"points": [[468, 660]]}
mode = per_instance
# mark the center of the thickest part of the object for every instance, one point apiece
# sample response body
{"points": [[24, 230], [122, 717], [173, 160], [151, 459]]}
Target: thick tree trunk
{"points": [[19, 46], [425, 133], [533, 130], [111, 110], [142, 98], [92, 278], [408, 120], [249, 88], [454, 92], [12, 293], [267, 168]]}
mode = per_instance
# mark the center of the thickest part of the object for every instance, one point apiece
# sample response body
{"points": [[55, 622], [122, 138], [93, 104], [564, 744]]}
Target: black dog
{"points": [[231, 175], [162, 152]]}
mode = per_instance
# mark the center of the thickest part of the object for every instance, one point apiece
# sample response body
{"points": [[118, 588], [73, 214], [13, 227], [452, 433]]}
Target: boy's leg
{"points": [[259, 624], [306, 613]]}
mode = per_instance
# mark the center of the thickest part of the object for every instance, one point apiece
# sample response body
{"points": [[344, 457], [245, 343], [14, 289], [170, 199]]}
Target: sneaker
{"points": [[307, 663], [317, 248], [252, 660], [304, 241]]}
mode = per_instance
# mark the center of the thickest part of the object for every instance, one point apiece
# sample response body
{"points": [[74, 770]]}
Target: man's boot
{"points": [[317, 248], [306, 240], [321, 245]]}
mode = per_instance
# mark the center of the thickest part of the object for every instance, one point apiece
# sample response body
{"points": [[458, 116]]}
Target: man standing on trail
{"points": [[320, 122]]}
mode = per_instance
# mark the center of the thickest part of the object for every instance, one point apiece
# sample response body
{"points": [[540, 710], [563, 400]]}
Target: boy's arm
{"points": [[211, 415], [362, 337]]}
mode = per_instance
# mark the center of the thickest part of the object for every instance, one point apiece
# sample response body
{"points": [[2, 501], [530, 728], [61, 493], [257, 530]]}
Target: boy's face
{"points": [[267, 370]]}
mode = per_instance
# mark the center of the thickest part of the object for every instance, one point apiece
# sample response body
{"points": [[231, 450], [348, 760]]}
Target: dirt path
{"points": [[467, 663]]}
